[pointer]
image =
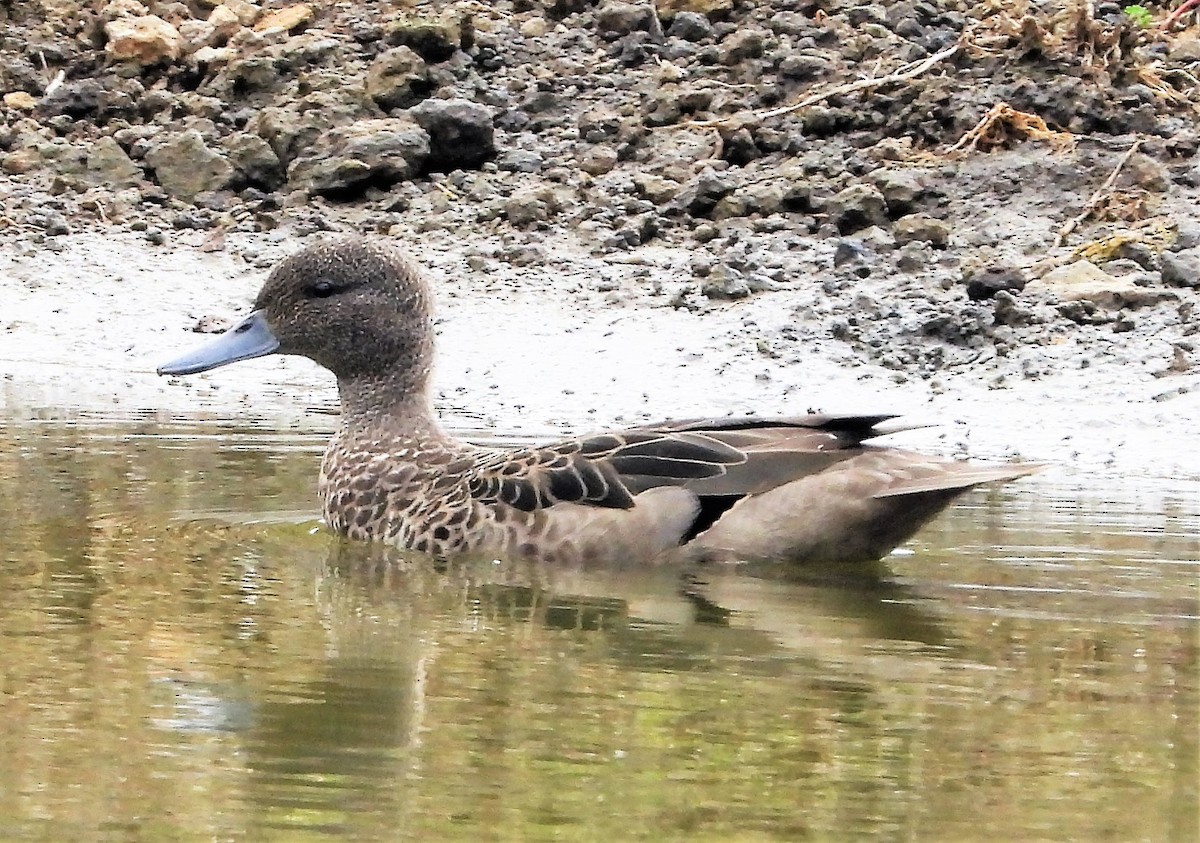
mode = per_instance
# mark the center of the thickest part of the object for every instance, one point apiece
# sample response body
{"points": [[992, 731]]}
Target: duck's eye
{"points": [[322, 289]]}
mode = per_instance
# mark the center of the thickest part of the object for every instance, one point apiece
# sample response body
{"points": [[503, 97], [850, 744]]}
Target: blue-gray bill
{"points": [[249, 338]]}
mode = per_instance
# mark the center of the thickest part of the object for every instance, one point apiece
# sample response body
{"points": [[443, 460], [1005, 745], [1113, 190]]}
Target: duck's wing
{"points": [[710, 457]]}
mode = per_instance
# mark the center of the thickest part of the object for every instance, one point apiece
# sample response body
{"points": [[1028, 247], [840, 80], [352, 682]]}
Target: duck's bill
{"points": [[247, 339]]}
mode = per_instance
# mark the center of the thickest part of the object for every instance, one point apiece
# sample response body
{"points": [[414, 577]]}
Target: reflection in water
{"points": [[185, 657]]}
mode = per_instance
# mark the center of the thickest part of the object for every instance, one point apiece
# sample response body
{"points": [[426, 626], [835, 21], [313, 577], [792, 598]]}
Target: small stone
{"points": [[211, 325], [745, 43], [1185, 49], [713, 9], [598, 160], [146, 40], [108, 164], [690, 26], [123, 9], [921, 227], [803, 67], [225, 24], [534, 27], [901, 189], [368, 153], [614, 20], [858, 206], [398, 78], [655, 188], [520, 161], [433, 39], [1180, 270], [52, 222], [284, 20], [1084, 281], [255, 160], [214, 55], [21, 161], [701, 195], [247, 11], [461, 134], [725, 283], [184, 165], [20, 101], [987, 282]]}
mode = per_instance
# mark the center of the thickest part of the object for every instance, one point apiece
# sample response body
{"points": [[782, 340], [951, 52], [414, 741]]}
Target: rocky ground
{"points": [[983, 212]]}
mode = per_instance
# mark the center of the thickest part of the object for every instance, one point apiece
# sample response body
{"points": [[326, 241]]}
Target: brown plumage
{"points": [[800, 489]]}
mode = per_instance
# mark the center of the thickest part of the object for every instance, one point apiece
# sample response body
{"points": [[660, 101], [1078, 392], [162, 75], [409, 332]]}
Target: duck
{"points": [[805, 489]]}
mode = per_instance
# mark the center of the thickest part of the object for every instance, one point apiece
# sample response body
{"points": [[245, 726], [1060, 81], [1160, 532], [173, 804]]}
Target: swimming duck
{"points": [[802, 489]]}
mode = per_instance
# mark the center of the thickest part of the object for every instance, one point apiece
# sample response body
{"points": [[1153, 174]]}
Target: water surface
{"points": [[188, 656]]}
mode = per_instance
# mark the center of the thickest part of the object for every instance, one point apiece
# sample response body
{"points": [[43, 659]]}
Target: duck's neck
{"points": [[395, 401]]}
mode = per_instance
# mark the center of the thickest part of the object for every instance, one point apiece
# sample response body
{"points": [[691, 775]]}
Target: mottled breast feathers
{"points": [[605, 470]]}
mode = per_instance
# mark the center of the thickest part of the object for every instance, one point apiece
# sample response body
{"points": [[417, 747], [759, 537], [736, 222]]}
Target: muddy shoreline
{"points": [[537, 351]]}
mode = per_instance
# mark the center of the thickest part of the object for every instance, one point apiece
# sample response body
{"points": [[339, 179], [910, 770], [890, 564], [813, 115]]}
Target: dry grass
{"points": [[1003, 125]]}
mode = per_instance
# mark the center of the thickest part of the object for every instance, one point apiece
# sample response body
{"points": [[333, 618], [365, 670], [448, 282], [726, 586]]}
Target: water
{"points": [[187, 656]]}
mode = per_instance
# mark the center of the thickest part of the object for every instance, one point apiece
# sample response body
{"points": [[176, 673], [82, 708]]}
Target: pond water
{"points": [[188, 656]]}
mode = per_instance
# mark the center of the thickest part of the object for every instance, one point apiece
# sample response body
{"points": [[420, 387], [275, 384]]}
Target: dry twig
{"points": [[1099, 196], [991, 130], [909, 71]]}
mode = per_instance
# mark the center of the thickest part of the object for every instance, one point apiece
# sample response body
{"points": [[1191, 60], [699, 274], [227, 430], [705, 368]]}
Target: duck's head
{"points": [[356, 307]]}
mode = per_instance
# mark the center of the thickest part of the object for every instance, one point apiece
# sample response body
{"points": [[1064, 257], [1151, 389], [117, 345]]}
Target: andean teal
{"points": [[803, 489]]}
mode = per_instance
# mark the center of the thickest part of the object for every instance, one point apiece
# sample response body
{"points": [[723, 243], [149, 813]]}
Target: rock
{"points": [[857, 207], [460, 133], [76, 99], [598, 123], [109, 165], [745, 43], [1010, 310], [214, 55], [255, 160], [901, 189], [712, 9], [225, 23], [221, 25], [990, 280], [185, 166], [398, 78], [921, 227], [803, 67], [1084, 281], [21, 161], [520, 161], [690, 26], [725, 283], [20, 101], [655, 188], [284, 20], [614, 20], [433, 39], [699, 196], [534, 28], [526, 207], [1185, 49], [123, 9], [1180, 270], [247, 12], [598, 160], [145, 40], [1187, 235], [368, 153]]}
